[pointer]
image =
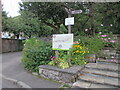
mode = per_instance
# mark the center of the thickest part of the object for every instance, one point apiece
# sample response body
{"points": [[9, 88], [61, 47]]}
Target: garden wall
{"points": [[11, 45], [69, 75]]}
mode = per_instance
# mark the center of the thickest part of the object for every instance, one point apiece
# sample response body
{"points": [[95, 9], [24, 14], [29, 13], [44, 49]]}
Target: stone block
{"points": [[62, 75], [40, 70], [82, 84]]}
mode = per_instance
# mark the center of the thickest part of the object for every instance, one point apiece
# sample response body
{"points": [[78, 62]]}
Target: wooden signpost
{"points": [[68, 21], [69, 24]]}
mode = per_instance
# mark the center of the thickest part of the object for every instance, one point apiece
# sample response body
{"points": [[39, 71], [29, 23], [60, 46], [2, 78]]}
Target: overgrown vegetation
{"points": [[35, 53], [82, 47], [39, 19]]}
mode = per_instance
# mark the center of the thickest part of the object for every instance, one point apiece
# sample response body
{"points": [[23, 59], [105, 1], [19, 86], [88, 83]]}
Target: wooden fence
{"points": [[11, 45]]}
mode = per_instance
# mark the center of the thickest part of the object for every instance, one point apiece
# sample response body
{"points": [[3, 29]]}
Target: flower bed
{"points": [[76, 54]]}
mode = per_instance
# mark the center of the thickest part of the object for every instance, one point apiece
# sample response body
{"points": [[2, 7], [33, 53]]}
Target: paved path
{"points": [[8, 84], [12, 67]]}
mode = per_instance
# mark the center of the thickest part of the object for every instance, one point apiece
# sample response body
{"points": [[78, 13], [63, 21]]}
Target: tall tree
{"points": [[108, 15], [52, 14], [4, 21]]}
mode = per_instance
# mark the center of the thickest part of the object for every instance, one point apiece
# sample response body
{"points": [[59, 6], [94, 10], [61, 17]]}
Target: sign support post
{"points": [[69, 31], [56, 54], [69, 25]]}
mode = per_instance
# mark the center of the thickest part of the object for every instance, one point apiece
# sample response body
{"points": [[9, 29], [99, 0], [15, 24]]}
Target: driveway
{"points": [[12, 67]]}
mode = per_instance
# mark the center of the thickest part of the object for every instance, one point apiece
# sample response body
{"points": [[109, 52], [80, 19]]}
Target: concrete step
{"points": [[83, 84], [101, 72], [106, 67], [108, 61], [99, 80], [116, 56]]}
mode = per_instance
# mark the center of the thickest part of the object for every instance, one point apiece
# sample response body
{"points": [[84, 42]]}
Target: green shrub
{"points": [[94, 44], [35, 53]]}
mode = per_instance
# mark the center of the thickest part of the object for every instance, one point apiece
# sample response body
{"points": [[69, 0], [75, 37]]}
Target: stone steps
{"points": [[83, 84], [101, 72], [106, 67], [98, 75], [108, 61], [99, 80]]}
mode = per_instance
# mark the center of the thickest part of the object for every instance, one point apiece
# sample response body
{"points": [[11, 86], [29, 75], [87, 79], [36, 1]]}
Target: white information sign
{"points": [[69, 21], [62, 41]]}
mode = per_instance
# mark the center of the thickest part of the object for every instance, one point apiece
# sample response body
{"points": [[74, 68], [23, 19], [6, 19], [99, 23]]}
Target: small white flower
{"points": [[36, 40], [86, 29], [111, 25], [101, 24]]}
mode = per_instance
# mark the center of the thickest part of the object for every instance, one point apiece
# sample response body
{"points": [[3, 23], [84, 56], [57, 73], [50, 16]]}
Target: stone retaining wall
{"points": [[62, 75]]}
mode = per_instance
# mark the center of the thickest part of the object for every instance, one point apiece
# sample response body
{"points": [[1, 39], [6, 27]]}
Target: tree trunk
{"points": [[91, 14], [17, 36]]}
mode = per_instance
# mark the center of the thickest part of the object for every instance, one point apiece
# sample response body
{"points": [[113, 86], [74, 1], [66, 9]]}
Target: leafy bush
{"points": [[94, 44], [35, 53]]}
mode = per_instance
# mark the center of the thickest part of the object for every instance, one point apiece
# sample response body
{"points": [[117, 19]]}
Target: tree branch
{"points": [[51, 25]]}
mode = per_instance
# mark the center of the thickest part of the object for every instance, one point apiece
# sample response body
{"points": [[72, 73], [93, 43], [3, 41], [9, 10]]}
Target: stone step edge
{"points": [[95, 82], [99, 74], [105, 69], [110, 63], [76, 86], [118, 62]]}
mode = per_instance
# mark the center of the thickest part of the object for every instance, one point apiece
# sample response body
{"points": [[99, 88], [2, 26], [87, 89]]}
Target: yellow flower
{"points": [[60, 59], [85, 63], [80, 51], [77, 43], [80, 47], [77, 46], [76, 51], [90, 57]]}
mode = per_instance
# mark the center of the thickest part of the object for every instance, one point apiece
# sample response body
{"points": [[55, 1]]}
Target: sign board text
{"points": [[62, 41]]}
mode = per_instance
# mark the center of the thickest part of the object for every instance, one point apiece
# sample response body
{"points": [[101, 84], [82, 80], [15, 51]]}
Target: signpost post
{"points": [[69, 25]]}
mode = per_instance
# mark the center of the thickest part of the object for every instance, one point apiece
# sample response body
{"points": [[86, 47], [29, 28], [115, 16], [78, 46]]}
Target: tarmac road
{"points": [[12, 67]]}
